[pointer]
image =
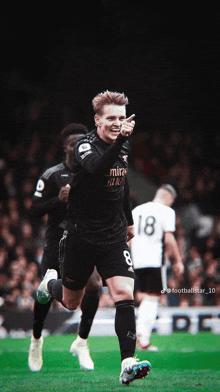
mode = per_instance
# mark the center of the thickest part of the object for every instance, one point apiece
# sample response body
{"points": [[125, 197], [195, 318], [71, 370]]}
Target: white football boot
{"points": [[35, 360], [80, 349]]}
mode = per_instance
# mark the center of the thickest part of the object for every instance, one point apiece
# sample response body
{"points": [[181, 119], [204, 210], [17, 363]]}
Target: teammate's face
{"points": [[70, 143], [109, 122]]}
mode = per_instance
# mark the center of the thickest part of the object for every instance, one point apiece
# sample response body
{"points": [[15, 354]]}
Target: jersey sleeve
{"points": [[170, 221], [89, 158], [45, 198]]}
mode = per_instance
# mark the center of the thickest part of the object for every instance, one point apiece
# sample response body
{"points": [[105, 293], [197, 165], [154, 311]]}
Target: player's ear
{"points": [[96, 118]]}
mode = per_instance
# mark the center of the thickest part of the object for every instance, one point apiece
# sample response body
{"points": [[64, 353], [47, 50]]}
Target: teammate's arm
{"points": [[45, 198]]}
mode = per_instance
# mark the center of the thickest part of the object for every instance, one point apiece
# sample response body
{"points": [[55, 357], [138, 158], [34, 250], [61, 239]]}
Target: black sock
{"points": [[55, 289], [125, 327], [89, 306], [40, 313]]}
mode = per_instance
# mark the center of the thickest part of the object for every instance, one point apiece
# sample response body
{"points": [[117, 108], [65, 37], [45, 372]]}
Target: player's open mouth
{"points": [[115, 130]]}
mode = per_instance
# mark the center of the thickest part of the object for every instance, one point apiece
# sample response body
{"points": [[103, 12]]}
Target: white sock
{"points": [[81, 340], [147, 314]]}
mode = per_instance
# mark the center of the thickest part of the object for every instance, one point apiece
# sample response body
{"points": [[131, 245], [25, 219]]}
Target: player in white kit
{"points": [[154, 224]]}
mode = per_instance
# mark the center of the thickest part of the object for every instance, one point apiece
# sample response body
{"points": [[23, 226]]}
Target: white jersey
{"points": [[151, 221]]}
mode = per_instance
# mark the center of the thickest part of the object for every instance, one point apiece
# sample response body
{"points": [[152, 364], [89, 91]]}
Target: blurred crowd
{"points": [[159, 157]]}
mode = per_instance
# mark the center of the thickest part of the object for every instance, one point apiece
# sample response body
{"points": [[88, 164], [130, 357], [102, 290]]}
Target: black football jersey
{"points": [[99, 203], [46, 201]]}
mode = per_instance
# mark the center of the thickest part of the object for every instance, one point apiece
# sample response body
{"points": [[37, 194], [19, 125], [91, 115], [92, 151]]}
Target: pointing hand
{"points": [[128, 126]]}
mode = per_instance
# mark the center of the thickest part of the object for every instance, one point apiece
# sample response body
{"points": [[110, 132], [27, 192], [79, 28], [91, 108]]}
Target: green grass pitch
{"points": [[184, 363]]}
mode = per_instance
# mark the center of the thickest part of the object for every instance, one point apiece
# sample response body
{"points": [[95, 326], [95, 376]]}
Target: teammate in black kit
{"points": [[99, 224], [51, 198]]}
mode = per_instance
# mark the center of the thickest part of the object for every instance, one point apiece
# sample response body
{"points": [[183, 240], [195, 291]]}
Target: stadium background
{"points": [[53, 62]]}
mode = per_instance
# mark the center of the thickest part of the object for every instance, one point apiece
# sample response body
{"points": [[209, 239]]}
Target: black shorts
{"points": [[150, 279], [79, 257]]}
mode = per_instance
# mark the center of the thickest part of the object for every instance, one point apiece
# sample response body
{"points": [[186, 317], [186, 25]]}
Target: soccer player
{"points": [[51, 198], [154, 224], [98, 227]]}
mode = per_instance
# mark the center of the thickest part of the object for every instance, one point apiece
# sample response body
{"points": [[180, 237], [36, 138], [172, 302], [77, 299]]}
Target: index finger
{"points": [[129, 119]]}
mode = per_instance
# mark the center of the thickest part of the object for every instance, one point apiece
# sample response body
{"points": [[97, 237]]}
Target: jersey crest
{"points": [[84, 147]]}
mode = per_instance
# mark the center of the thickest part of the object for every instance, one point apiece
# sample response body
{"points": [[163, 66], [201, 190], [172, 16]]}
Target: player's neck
{"points": [[69, 162], [159, 200]]}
